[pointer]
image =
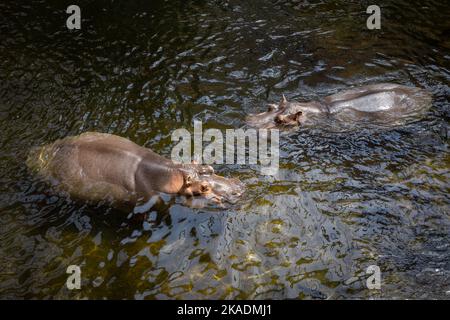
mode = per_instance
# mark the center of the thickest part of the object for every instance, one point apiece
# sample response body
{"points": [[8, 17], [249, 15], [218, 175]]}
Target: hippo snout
{"points": [[223, 189], [265, 120]]}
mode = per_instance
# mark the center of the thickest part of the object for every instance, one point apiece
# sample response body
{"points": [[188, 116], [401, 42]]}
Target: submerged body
{"points": [[99, 166], [380, 104]]}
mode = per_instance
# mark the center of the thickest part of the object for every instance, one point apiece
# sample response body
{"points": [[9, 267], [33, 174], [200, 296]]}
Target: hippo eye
{"points": [[297, 116], [272, 107]]}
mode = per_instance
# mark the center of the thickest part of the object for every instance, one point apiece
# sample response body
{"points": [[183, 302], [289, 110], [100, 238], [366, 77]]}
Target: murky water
{"points": [[340, 202]]}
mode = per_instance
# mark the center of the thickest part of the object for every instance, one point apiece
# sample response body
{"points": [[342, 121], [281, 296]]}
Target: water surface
{"points": [[340, 202]]}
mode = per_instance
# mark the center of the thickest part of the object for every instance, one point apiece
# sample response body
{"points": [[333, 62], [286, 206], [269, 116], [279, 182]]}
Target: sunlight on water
{"points": [[339, 203]]}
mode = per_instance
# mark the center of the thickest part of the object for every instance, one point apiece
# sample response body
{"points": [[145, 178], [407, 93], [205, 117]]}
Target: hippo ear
{"points": [[188, 178], [283, 101], [206, 170]]}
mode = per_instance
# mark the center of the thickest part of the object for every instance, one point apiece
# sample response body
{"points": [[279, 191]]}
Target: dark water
{"points": [[340, 202]]}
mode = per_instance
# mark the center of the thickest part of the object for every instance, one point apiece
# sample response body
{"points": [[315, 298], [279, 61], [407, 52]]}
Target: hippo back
{"points": [[382, 104]]}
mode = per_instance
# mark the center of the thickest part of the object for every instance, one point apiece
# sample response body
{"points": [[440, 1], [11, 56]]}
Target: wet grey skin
{"points": [[382, 104], [99, 166]]}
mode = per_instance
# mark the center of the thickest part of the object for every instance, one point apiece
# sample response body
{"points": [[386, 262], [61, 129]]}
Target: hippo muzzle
{"points": [[216, 188], [285, 114]]}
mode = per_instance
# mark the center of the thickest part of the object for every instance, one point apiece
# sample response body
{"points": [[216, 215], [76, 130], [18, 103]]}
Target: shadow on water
{"points": [[339, 203]]}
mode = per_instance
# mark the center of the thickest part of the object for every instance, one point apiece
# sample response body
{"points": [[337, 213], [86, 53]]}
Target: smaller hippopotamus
{"points": [[99, 166], [379, 104]]}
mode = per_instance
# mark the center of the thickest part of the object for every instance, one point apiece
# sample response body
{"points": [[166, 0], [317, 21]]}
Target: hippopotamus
{"points": [[100, 166], [382, 104]]}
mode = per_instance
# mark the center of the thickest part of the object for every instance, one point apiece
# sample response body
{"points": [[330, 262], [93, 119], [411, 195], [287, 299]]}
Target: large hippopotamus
{"points": [[380, 104], [99, 166]]}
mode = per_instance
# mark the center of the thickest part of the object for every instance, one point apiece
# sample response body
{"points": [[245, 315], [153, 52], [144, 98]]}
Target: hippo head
{"points": [[285, 114], [200, 181], [221, 189]]}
